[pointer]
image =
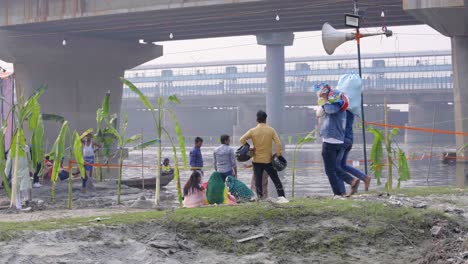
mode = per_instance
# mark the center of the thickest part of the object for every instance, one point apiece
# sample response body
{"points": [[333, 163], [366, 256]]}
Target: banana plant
{"points": [[300, 143], [75, 153], [26, 111], [123, 142], [2, 161], [395, 157], [104, 122], [158, 114]]}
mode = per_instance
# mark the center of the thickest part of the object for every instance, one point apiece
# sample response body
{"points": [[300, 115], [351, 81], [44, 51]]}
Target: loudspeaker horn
{"points": [[333, 38]]}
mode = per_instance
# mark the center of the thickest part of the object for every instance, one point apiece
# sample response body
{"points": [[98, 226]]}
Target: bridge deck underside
{"points": [[218, 20]]}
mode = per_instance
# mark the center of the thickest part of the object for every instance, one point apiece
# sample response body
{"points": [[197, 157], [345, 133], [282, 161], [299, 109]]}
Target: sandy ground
{"points": [[153, 242]]}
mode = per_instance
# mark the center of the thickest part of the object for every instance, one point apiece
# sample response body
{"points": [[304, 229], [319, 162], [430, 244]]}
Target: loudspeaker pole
{"points": [[363, 122]]}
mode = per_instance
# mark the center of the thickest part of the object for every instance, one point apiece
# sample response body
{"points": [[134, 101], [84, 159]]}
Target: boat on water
{"points": [[149, 183]]}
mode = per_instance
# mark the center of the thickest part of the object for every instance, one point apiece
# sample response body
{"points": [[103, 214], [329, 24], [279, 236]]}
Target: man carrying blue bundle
{"points": [[333, 107]]}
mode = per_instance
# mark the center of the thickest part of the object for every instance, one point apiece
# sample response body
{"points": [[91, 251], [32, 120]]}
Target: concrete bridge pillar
{"points": [[77, 74], [449, 18], [246, 119], [430, 115], [275, 43]]}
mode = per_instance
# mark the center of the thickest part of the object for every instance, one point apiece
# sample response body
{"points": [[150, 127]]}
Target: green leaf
{"points": [[84, 134], [180, 138], [3, 162], [59, 150], [19, 134], [403, 168], [173, 98], [125, 125], [394, 131], [106, 105], [146, 144], [78, 153], [133, 139], [37, 142], [53, 117], [142, 97], [114, 132], [377, 155]]}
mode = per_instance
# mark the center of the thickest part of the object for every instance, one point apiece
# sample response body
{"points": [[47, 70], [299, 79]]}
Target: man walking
{"points": [[196, 158], [262, 137], [225, 159], [333, 133]]}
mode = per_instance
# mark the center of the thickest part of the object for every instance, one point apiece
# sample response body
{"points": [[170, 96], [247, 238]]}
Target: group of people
{"points": [[26, 170], [223, 182], [223, 186], [337, 136]]}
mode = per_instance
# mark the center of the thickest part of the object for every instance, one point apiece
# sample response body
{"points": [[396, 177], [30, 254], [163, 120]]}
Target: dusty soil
{"points": [[103, 195], [289, 233]]}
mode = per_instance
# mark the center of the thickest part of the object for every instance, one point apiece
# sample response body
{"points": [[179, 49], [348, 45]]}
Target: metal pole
{"points": [[142, 163], [363, 123]]}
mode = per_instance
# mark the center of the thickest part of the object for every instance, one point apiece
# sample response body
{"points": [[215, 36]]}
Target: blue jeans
{"points": [[225, 174], [336, 175], [343, 157]]}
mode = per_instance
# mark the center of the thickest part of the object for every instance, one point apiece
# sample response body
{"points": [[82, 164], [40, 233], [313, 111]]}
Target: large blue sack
{"points": [[351, 85]]}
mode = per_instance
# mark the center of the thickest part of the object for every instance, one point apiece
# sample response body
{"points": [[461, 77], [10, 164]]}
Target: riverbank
{"points": [[422, 226]]}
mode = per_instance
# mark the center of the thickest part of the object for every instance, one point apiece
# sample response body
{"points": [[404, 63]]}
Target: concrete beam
{"points": [[24, 12], [77, 75], [448, 17]]}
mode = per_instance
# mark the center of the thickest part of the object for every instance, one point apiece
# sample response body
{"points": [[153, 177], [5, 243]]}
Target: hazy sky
{"points": [[409, 38]]}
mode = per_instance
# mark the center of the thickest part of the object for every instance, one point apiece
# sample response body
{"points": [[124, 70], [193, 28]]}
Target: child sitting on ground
{"points": [[194, 193]]}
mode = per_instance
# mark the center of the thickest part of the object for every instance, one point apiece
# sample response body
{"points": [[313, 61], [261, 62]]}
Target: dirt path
{"points": [[61, 214]]}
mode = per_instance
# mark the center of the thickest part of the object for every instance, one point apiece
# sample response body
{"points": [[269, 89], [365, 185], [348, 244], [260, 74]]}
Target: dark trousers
{"points": [[343, 156], [258, 171], [336, 175], [224, 175], [36, 173]]}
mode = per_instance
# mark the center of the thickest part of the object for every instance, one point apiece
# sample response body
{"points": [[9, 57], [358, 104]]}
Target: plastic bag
{"points": [[351, 86]]}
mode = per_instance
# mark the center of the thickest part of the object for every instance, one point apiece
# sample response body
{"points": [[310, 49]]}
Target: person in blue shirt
{"points": [[196, 158], [332, 132], [346, 148]]}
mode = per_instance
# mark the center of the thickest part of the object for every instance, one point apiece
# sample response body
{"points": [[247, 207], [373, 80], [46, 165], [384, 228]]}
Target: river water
{"points": [[310, 175]]}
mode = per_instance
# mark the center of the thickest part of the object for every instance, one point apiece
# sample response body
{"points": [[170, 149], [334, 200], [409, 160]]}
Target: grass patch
{"points": [[299, 227], [425, 191], [115, 219]]}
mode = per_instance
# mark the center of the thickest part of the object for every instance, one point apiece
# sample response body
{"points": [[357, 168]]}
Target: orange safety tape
{"points": [[421, 129], [412, 158]]}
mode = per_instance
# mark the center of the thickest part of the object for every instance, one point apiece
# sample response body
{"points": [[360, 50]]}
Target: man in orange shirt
{"points": [[262, 137]]}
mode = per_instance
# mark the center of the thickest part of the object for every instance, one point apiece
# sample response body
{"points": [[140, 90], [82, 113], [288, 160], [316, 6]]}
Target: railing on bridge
{"points": [[381, 72]]}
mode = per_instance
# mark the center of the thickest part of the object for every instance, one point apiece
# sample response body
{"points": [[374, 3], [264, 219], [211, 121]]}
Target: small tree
{"points": [[157, 114], [299, 144], [123, 142], [395, 157], [30, 111], [104, 123], [58, 153]]}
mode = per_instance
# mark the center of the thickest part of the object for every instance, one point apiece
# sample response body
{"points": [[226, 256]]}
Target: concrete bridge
{"points": [[102, 39]]}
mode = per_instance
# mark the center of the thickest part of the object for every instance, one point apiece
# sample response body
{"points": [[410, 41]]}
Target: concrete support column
{"points": [[77, 75], [460, 95], [275, 43], [420, 114], [246, 119]]}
